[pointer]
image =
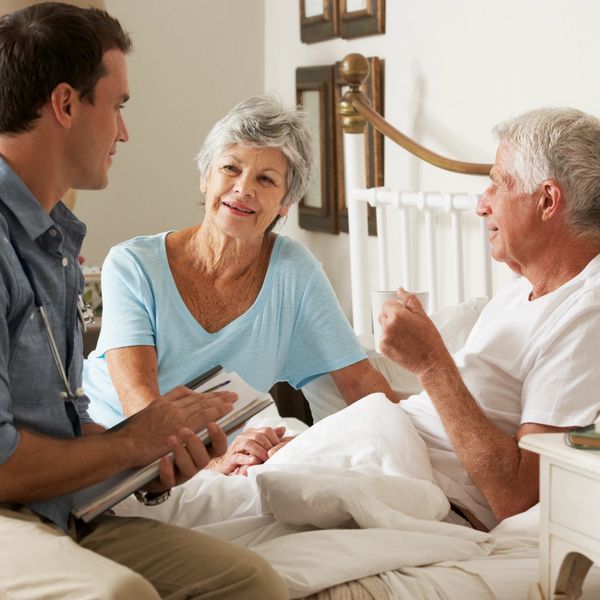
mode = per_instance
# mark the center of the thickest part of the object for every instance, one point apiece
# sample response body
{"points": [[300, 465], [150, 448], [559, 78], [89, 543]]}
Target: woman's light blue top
{"points": [[294, 331]]}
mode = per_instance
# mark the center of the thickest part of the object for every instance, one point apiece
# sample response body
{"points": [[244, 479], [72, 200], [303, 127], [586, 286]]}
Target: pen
{"points": [[216, 387]]}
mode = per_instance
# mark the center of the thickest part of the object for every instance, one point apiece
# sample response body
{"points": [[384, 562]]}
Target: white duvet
{"points": [[352, 496]]}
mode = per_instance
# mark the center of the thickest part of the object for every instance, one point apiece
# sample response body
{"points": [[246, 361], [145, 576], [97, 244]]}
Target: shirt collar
{"points": [[28, 211]]}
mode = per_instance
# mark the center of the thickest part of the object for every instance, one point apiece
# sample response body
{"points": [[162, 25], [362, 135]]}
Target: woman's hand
{"points": [[251, 447], [243, 469]]}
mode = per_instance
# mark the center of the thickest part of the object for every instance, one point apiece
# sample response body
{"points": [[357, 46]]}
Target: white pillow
{"points": [[454, 323]]}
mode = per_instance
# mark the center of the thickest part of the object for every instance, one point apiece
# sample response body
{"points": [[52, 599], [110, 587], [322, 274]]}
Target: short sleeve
{"points": [[322, 339], [562, 387], [127, 304]]}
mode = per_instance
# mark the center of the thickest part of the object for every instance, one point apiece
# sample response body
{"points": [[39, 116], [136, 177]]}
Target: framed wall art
{"points": [[372, 88], [318, 20], [358, 18], [314, 91]]}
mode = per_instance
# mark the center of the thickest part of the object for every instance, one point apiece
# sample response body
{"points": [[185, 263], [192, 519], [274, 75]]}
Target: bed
{"points": [[507, 575], [350, 509]]}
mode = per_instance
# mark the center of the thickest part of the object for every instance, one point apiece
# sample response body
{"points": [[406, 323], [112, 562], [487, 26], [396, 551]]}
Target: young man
{"points": [[63, 84]]}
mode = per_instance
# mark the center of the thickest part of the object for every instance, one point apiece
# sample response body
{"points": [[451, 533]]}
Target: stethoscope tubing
{"points": [[37, 300]]}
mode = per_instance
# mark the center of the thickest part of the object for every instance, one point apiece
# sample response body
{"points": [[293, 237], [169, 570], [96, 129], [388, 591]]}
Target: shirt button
{"points": [[64, 262], [52, 232]]}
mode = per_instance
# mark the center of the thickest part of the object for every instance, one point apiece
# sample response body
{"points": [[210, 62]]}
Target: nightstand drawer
{"points": [[574, 501], [569, 523]]}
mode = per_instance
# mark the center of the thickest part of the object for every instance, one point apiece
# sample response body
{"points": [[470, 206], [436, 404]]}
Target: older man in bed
{"points": [[530, 364]]}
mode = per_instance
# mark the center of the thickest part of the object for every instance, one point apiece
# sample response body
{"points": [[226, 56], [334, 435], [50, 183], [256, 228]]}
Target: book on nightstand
{"points": [[98, 498], [586, 438]]}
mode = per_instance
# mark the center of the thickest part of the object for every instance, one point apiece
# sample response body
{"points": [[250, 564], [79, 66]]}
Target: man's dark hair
{"points": [[47, 44]]}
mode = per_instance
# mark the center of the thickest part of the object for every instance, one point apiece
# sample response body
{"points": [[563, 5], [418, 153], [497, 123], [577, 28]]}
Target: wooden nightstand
{"points": [[569, 515]]}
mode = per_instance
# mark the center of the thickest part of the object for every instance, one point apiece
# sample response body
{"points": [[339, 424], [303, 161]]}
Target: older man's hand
{"points": [[409, 336]]}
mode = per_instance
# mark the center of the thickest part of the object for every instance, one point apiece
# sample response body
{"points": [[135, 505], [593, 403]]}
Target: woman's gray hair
{"points": [[263, 121], [561, 144]]}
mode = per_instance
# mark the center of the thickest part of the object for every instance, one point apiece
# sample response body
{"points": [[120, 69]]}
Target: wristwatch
{"points": [[151, 498]]}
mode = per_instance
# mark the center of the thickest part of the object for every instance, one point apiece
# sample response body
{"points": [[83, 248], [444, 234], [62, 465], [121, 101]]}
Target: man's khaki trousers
{"points": [[125, 558]]}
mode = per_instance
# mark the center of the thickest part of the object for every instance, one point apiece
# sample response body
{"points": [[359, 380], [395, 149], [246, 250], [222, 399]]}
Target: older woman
{"points": [[228, 291]]}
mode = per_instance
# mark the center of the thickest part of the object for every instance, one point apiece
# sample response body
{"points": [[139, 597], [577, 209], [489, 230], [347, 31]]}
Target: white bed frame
{"points": [[384, 200], [355, 112]]}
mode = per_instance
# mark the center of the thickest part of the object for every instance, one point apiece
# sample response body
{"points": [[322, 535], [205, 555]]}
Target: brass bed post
{"points": [[355, 112], [354, 69], [353, 127], [354, 109]]}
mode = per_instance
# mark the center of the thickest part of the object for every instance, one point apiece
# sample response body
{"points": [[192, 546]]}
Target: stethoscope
{"points": [[85, 316]]}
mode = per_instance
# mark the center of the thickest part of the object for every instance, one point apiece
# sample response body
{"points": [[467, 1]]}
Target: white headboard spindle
{"points": [[355, 111]]}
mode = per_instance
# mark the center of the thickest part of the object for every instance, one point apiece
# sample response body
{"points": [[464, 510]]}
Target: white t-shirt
{"points": [[524, 362]]}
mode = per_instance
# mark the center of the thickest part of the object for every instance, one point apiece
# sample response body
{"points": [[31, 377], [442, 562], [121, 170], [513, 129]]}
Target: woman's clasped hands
{"points": [[251, 447]]}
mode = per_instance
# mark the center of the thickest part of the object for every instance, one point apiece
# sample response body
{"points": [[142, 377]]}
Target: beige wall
{"points": [[193, 60], [452, 70]]}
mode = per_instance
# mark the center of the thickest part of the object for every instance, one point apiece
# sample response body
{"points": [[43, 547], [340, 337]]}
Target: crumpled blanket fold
{"points": [[351, 497]]}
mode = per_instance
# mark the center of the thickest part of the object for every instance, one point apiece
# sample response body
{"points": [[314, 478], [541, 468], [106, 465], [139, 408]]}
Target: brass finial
{"points": [[354, 69]]}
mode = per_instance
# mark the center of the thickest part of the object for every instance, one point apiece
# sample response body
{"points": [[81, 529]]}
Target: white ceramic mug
{"points": [[378, 298]]}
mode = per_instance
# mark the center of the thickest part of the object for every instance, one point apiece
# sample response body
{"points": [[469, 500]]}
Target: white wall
{"points": [[452, 71], [193, 61]]}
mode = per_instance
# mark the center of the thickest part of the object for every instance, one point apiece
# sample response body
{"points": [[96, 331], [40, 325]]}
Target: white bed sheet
{"points": [[509, 570], [352, 498]]}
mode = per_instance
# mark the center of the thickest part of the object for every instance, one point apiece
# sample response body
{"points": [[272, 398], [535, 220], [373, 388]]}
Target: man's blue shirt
{"points": [[30, 385]]}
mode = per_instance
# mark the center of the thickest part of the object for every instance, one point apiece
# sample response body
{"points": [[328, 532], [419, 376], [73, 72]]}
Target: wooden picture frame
{"points": [[318, 20], [358, 18], [372, 88], [314, 91]]}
